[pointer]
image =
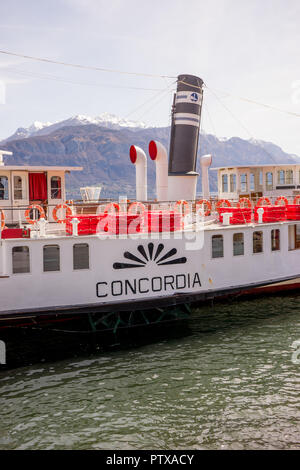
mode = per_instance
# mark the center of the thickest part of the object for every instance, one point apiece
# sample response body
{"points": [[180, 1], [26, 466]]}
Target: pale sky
{"points": [[247, 48]]}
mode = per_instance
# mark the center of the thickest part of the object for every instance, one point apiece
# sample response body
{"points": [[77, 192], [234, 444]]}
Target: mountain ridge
{"points": [[103, 152], [103, 120]]}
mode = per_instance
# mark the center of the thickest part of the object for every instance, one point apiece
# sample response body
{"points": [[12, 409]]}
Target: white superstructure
{"points": [[254, 181], [22, 186], [62, 272]]}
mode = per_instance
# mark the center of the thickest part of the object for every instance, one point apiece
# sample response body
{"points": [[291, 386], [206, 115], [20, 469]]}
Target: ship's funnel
{"points": [[186, 115], [158, 153], [139, 159]]}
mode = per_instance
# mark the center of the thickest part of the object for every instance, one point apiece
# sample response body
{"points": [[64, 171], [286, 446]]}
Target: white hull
{"points": [[191, 272]]}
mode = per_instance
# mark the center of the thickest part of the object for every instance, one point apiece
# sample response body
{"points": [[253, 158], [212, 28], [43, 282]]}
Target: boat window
{"points": [[244, 183], [224, 183], [285, 177], [297, 236], [217, 246], [238, 244], [281, 177], [18, 193], [275, 240], [56, 187], [294, 237], [257, 242], [232, 183], [20, 259], [3, 187], [81, 256], [269, 181], [289, 177], [51, 258], [252, 181]]}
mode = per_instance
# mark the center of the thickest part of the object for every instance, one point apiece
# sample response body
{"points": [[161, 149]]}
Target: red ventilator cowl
{"points": [[133, 154], [153, 150]]}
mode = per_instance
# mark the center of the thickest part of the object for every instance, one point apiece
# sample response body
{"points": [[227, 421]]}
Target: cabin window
{"points": [[294, 237], [4, 188], [217, 246], [81, 256], [257, 242], [56, 187], [51, 258], [285, 177], [289, 177], [281, 177], [20, 259], [244, 183], [275, 240], [238, 244], [225, 183], [297, 236], [252, 182], [18, 192], [232, 183], [269, 181]]}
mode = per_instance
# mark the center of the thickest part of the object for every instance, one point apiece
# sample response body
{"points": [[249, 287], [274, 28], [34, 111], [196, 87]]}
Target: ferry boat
{"points": [[114, 262]]}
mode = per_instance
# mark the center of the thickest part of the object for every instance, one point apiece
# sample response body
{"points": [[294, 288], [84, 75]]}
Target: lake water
{"points": [[230, 382]]}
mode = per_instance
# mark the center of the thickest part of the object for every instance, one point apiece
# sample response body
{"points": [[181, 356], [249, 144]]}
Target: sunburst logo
{"points": [[150, 255]]}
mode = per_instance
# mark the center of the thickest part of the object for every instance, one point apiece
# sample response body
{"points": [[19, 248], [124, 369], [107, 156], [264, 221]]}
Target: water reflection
{"points": [[227, 382]]}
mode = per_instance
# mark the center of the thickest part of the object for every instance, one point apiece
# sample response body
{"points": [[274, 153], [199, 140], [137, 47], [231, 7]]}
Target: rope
{"points": [[240, 123], [247, 100], [210, 118], [163, 95], [188, 84], [150, 99], [80, 66], [61, 79], [231, 113], [102, 69]]}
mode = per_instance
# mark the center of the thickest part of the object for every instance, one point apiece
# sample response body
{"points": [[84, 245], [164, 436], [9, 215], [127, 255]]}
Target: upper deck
{"points": [[255, 181], [34, 197], [24, 185]]}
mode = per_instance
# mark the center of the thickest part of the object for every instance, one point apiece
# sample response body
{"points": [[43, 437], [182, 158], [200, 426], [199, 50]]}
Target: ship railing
{"points": [[81, 207], [191, 211]]}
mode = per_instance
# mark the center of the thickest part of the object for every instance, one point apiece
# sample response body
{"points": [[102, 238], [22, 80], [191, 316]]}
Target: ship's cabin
{"points": [[255, 181], [22, 186]]}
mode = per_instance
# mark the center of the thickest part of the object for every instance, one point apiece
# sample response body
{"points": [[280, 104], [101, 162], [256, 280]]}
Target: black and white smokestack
{"points": [[186, 115]]}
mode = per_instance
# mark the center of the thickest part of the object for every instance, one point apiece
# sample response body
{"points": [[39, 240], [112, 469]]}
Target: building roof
{"points": [[267, 165], [40, 168]]}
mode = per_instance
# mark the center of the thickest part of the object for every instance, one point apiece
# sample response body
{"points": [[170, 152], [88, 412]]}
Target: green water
{"points": [[230, 384]]}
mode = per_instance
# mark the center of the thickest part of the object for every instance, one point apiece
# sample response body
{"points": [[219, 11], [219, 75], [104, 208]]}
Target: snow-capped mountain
{"points": [[103, 120], [24, 132]]}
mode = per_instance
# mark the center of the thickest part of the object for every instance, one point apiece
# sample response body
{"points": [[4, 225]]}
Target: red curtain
{"points": [[37, 187], [59, 188]]}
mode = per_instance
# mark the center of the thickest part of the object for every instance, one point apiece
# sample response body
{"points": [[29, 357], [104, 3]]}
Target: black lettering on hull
{"points": [[145, 285]]}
